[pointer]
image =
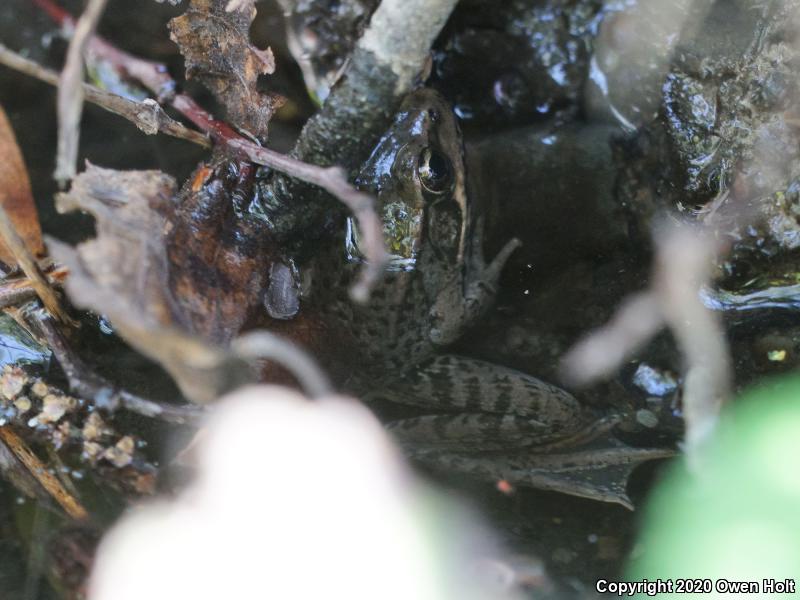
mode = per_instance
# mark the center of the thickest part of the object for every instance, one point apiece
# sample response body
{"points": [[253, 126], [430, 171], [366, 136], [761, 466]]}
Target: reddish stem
{"points": [[55, 12], [153, 75]]}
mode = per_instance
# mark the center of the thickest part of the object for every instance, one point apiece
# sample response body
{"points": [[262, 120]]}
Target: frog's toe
{"points": [[492, 271]]}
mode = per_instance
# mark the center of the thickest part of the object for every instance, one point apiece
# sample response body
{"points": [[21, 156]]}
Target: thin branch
{"points": [[148, 115], [634, 324], [70, 92], [264, 345], [29, 266], [683, 265], [684, 256], [42, 474], [87, 384], [385, 65], [383, 68], [334, 181]]}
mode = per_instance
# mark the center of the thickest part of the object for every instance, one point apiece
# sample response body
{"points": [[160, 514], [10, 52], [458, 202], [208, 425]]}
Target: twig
{"points": [[29, 266], [17, 291], [41, 473], [264, 345], [155, 77], [148, 115], [70, 92], [87, 384], [683, 266], [383, 68], [635, 323]]}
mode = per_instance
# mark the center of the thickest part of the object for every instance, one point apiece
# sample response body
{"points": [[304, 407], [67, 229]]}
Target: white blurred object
{"points": [[295, 499]]}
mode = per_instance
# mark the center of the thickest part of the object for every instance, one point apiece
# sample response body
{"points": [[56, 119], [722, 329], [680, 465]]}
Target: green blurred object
{"points": [[738, 518]]}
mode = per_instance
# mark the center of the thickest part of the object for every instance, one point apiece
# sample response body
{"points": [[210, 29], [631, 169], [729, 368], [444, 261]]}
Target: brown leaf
{"points": [[215, 44], [172, 272], [16, 195], [219, 263]]}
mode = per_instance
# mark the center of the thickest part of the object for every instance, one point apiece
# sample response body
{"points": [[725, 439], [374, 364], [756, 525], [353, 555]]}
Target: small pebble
{"points": [[22, 404], [654, 381], [40, 389], [563, 555], [776, 355], [647, 418], [12, 382], [53, 408]]}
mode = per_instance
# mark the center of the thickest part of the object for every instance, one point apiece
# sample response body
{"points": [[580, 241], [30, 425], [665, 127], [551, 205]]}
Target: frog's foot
{"points": [[589, 462], [599, 474]]}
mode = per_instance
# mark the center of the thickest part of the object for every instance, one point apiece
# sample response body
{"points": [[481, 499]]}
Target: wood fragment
{"points": [[41, 473], [29, 266], [70, 92], [18, 201]]}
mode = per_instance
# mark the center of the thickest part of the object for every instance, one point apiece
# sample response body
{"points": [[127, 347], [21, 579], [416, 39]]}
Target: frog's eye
{"points": [[435, 171]]}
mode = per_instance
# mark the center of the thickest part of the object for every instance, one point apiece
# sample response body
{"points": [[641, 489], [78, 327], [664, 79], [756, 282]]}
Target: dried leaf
{"points": [[170, 271], [218, 260], [215, 43], [16, 195]]}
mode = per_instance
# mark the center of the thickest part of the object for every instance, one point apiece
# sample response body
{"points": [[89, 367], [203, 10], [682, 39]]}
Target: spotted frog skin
{"points": [[484, 418]]}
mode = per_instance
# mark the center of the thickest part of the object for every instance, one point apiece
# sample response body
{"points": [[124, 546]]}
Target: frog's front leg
{"points": [[462, 303]]}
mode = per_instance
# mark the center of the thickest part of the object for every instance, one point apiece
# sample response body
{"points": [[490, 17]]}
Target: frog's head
{"points": [[417, 174]]}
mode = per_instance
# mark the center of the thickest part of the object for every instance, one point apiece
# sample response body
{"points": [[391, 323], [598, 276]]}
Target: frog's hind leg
{"points": [[590, 463], [513, 427], [456, 384]]}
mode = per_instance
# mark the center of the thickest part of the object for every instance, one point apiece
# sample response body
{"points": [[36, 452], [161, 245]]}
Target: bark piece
{"points": [[215, 43], [17, 196]]}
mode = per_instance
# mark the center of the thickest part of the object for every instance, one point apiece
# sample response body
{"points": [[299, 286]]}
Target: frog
{"points": [[478, 417], [436, 282]]}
